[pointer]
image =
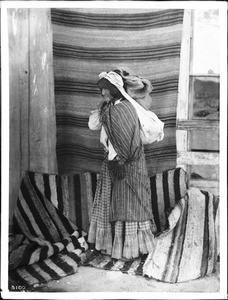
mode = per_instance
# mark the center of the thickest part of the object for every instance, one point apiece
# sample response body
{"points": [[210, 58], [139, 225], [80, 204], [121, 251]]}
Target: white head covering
{"points": [[114, 78], [137, 88]]}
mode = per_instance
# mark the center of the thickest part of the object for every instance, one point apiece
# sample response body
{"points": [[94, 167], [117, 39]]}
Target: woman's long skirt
{"points": [[123, 226]]}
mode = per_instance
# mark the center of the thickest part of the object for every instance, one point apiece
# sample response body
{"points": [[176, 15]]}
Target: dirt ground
{"points": [[89, 279]]}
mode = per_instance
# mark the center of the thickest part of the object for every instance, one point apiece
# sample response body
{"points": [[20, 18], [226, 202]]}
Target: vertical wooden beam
{"points": [[32, 106], [23, 62], [183, 87], [42, 127], [18, 61]]}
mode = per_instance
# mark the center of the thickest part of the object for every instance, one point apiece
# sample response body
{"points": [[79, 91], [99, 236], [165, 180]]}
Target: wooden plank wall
{"points": [[197, 120], [32, 107]]}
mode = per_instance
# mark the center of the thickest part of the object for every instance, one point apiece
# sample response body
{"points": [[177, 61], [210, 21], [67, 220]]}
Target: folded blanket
{"points": [[40, 230], [188, 248]]}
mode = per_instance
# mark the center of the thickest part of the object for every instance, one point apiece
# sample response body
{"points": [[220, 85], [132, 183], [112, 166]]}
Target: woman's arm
{"points": [[96, 115]]}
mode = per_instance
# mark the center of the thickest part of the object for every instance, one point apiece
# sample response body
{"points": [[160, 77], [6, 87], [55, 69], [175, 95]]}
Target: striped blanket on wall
{"points": [[89, 41]]}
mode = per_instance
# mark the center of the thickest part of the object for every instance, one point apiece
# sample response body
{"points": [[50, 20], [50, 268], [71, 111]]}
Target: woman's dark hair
{"points": [[103, 83]]}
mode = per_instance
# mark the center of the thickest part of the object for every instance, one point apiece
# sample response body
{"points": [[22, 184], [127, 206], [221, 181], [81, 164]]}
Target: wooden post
{"points": [[32, 106], [42, 127], [18, 61], [183, 87]]}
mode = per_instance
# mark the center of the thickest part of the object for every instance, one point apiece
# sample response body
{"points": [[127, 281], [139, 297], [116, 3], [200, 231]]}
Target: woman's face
{"points": [[106, 95]]}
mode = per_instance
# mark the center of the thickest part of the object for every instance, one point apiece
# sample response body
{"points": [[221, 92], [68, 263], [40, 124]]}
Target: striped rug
{"points": [[89, 41], [44, 244], [105, 262]]}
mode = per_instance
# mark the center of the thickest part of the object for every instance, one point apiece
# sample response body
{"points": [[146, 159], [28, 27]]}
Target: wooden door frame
{"points": [[184, 125]]}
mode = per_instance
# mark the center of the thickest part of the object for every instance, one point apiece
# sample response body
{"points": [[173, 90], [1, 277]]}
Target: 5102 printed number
{"points": [[17, 287]]}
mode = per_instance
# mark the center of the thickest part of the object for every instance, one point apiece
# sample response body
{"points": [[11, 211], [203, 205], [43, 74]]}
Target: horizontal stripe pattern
{"points": [[89, 41], [133, 21], [68, 51], [88, 70]]}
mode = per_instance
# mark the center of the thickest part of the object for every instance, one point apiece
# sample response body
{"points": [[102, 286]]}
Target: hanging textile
{"points": [[89, 41]]}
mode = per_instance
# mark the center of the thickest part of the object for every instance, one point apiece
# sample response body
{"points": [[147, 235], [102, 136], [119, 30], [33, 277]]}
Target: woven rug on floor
{"points": [[105, 262]]}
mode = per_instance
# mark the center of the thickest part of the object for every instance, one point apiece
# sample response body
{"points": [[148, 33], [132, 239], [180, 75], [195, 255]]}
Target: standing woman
{"points": [[122, 223]]}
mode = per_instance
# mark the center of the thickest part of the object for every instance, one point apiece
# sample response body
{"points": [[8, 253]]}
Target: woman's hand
{"points": [[103, 104], [103, 109], [117, 169]]}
